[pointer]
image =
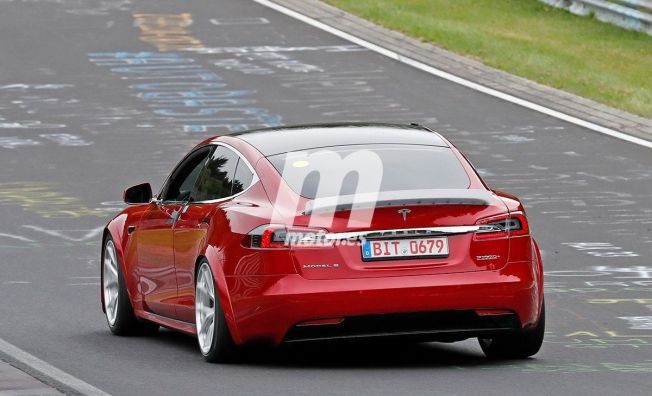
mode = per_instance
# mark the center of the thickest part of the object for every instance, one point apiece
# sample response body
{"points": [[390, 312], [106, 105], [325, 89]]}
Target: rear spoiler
{"points": [[400, 198]]}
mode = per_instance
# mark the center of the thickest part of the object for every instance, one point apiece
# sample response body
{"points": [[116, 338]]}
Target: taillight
{"points": [[502, 226], [269, 239], [270, 236]]}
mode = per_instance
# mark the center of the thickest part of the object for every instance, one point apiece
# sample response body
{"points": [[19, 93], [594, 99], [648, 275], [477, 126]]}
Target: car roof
{"points": [[272, 141]]}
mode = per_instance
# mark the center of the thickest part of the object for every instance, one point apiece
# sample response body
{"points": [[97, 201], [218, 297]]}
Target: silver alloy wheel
{"points": [[110, 284], [205, 308]]}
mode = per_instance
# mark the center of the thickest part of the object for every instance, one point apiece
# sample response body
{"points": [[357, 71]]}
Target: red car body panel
{"points": [[267, 306], [265, 293]]}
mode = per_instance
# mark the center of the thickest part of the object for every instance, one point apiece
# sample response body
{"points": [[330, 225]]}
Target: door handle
{"points": [[131, 229], [174, 217]]}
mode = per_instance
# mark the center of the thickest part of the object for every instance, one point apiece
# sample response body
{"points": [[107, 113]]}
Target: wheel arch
{"points": [[105, 233], [214, 259], [115, 229], [539, 273]]}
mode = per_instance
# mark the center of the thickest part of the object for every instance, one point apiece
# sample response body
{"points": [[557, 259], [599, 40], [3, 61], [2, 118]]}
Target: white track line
{"points": [[450, 77], [49, 370]]}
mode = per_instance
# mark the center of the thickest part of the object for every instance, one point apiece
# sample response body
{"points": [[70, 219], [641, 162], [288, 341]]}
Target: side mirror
{"points": [[139, 194]]}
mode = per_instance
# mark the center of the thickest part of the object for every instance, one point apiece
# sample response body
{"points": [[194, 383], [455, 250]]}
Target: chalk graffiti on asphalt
{"points": [[266, 60], [348, 95], [622, 289], [83, 7], [32, 236], [61, 139], [575, 368], [12, 142], [638, 322], [602, 339], [176, 87], [66, 139], [600, 249], [31, 99], [167, 32], [20, 87], [602, 271], [29, 124], [69, 235], [43, 199]]}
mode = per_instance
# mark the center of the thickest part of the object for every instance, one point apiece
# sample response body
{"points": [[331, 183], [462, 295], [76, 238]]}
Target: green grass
{"points": [[530, 39]]}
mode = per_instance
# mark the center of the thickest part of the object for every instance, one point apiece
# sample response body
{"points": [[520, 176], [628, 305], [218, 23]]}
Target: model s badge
{"points": [[404, 213]]}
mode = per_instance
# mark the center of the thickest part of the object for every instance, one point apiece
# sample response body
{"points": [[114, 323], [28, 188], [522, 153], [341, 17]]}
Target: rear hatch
{"points": [[421, 201], [407, 239]]}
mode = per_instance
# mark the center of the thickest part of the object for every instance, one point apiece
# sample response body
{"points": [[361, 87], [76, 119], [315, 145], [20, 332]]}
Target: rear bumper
{"points": [[268, 309]]}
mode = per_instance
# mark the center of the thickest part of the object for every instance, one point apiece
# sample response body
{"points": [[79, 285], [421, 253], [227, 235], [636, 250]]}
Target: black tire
{"points": [[126, 323], [519, 345], [222, 348]]}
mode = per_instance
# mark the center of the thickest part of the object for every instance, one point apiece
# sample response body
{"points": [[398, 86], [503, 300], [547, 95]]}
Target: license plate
{"points": [[404, 248]]}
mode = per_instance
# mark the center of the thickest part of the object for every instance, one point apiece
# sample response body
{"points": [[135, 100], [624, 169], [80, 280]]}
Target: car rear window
{"points": [[345, 170]]}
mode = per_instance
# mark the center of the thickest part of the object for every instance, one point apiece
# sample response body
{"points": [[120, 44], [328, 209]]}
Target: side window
{"points": [[185, 175], [216, 179], [242, 179]]}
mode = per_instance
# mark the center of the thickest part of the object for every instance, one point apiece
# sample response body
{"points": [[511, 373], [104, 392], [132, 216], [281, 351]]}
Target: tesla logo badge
{"points": [[404, 213]]}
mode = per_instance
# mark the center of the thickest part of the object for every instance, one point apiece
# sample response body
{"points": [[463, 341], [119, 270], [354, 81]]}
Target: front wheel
{"points": [[520, 345], [215, 341], [117, 307]]}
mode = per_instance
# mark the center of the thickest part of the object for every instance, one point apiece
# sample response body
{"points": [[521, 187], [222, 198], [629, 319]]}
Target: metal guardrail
{"points": [[629, 14]]}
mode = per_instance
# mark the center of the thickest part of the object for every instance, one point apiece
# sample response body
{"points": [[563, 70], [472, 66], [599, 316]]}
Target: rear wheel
{"points": [[117, 307], [520, 345], [215, 341]]}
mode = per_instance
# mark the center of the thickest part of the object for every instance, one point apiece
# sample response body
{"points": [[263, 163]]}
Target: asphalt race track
{"points": [[90, 103]]}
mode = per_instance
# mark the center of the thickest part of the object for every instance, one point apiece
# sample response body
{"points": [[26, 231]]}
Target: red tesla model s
{"points": [[325, 232]]}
